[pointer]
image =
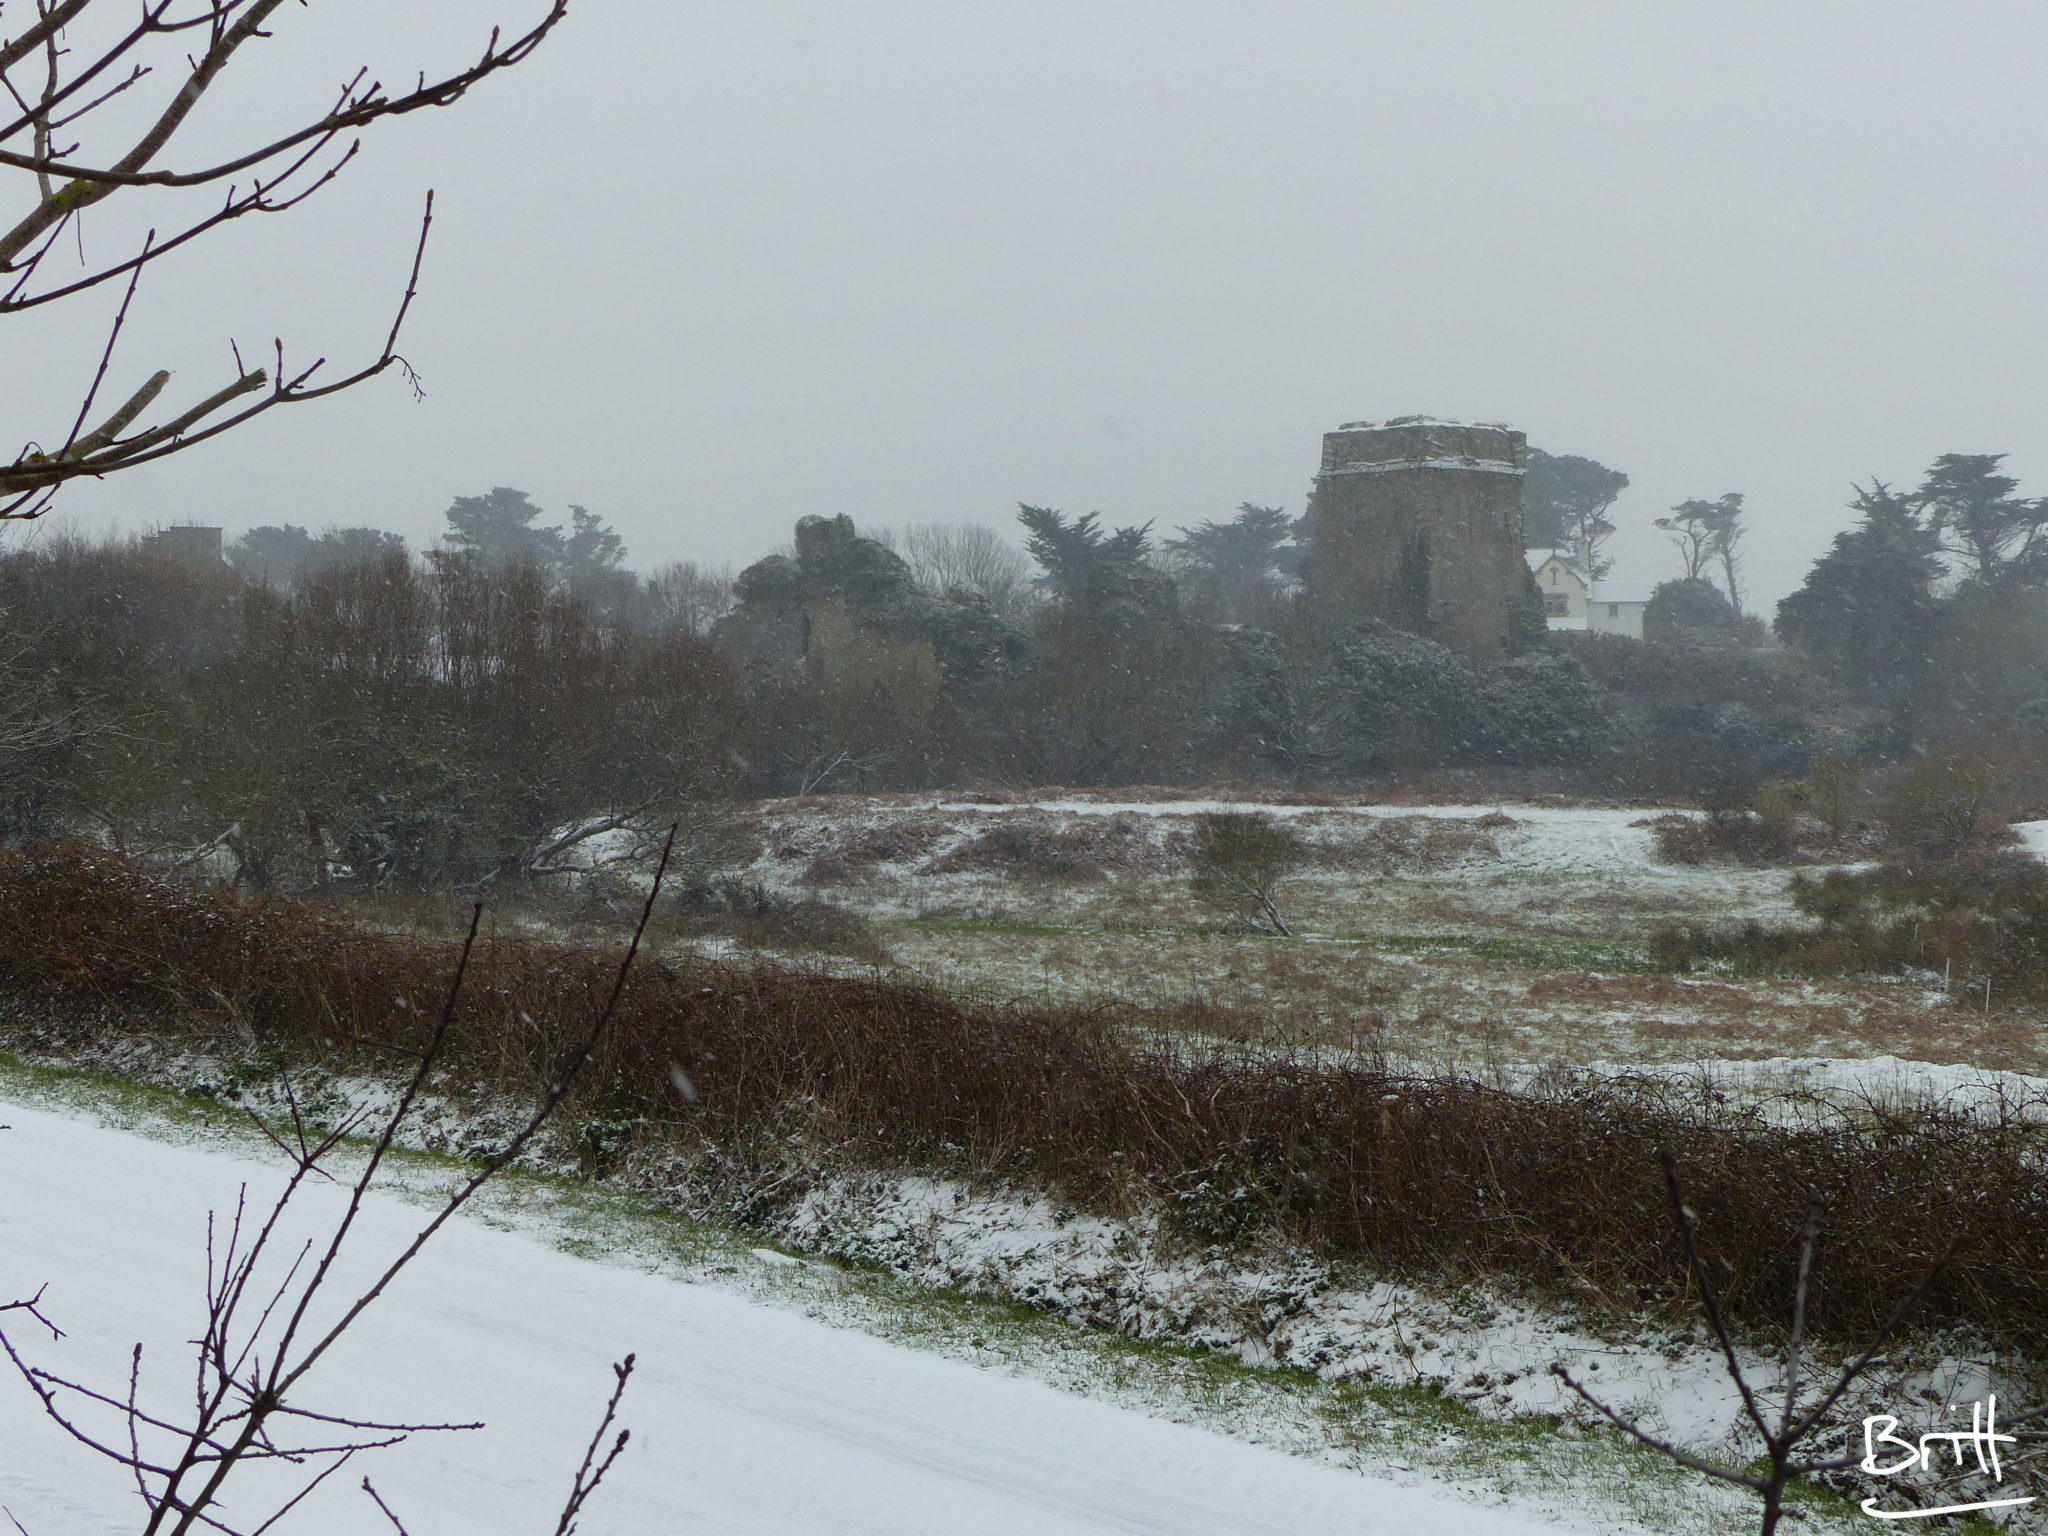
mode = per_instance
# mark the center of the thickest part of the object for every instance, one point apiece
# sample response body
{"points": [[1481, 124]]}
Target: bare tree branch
{"points": [[243, 1409], [33, 1307], [283, 171], [588, 1478], [47, 26], [1683, 1458], [1781, 1442], [90, 183]]}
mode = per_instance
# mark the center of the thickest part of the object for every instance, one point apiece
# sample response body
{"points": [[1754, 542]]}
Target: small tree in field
{"points": [[1241, 860]]}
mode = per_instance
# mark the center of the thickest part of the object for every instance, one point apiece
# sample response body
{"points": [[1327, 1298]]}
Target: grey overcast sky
{"points": [[705, 269]]}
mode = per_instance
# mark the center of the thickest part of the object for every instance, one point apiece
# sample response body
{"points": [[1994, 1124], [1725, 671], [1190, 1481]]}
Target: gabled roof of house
{"points": [[1538, 557]]}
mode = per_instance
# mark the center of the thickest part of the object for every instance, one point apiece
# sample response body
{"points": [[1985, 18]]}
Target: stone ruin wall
{"points": [[1419, 523]]}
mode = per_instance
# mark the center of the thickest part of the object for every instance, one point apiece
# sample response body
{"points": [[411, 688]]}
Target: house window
{"points": [[1553, 575], [1614, 610], [1555, 606]]}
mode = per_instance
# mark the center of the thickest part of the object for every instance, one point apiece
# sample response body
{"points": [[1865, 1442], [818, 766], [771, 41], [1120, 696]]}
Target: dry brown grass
{"points": [[1604, 991], [1442, 1176], [1385, 844], [1034, 847], [855, 856], [1317, 994]]}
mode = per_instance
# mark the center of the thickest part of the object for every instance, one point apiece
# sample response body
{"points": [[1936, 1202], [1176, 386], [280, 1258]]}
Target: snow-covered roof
{"points": [[1421, 443], [1620, 592]]}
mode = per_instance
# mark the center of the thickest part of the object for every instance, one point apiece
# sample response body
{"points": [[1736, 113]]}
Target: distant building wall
{"points": [[1563, 586], [1615, 617], [1419, 523]]}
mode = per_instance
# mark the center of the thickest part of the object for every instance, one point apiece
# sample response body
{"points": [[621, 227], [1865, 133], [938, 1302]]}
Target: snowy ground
{"points": [[1479, 936], [2033, 835], [1483, 937], [761, 1407], [747, 1417]]}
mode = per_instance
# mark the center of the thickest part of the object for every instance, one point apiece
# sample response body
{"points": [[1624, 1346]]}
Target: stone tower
{"points": [[1419, 523]]}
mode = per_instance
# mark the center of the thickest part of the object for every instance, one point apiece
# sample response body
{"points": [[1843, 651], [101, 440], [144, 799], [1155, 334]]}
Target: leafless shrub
{"points": [[891, 842], [832, 869], [41, 723], [1386, 844], [851, 856], [1960, 796], [810, 925], [1739, 837], [688, 598], [965, 557], [755, 917], [1978, 920], [1941, 804], [1840, 795]]}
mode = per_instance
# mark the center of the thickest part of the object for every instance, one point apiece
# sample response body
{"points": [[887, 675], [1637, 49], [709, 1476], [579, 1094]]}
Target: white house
{"points": [[1573, 600]]}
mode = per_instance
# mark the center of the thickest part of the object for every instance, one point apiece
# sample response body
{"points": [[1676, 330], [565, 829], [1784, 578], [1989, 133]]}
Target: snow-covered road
{"points": [[746, 1418]]}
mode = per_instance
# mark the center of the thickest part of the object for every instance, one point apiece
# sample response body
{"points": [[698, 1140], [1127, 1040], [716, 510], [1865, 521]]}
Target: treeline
{"points": [[386, 719], [331, 708]]}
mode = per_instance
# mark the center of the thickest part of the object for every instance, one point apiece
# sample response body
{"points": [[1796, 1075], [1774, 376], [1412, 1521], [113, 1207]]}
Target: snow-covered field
{"points": [[1475, 935], [747, 1417], [2033, 836], [1497, 938]]}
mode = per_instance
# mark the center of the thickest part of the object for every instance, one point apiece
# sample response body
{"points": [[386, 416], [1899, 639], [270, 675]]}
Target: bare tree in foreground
{"points": [[257, 1348], [1787, 1433], [78, 126]]}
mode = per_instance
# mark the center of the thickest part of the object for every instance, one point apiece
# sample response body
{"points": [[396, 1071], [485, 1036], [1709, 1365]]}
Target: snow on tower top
{"points": [[1423, 442]]}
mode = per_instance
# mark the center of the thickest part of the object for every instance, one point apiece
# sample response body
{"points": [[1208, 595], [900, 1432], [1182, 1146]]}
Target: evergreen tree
{"points": [[503, 528], [1692, 611], [1691, 528], [1240, 565], [1565, 500], [339, 547], [1105, 576], [1724, 545], [287, 555], [1971, 508], [591, 550], [271, 554], [1867, 606]]}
